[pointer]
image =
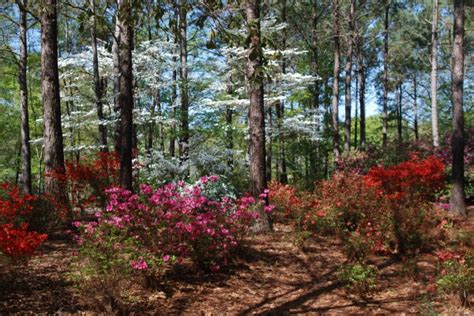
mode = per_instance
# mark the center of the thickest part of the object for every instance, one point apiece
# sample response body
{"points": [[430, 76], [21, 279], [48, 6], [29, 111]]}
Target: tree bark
{"points": [[399, 114], [229, 137], [282, 172], [151, 127], [117, 77], [356, 110], [335, 86], [361, 82], [348, 80], [434, 74], [184, 110], [25, 175], [415, 108], [125, 97], [270, 142], [52, 135], [385, 77], [457, 202], [98, 89], [280, 113], [258, 180], [174, 93]]}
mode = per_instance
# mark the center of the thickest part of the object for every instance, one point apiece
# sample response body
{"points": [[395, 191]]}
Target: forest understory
{"points": [[274, 274]]}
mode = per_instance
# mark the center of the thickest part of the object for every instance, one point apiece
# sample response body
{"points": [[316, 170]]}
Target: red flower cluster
{"points": [[285, 198], [19, 242], [421, 177], [13, 203], [86, 181], [15, 239]]}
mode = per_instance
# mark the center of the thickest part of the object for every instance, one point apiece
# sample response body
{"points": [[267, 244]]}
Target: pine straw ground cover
{"points": [[272, 276]]}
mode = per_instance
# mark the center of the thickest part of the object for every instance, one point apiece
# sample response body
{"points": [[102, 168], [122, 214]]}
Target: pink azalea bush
{"points": [[161, 227]]}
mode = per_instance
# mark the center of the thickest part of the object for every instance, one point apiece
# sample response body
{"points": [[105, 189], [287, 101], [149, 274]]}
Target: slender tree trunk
{"points": [[229, 137], [174, 94], [348, 80], [161, 128], [151, 127], [98, 83], [270, 141], [385, 77], [415, 108], [356, 114], [52, 135], [361, 81], [457, 202], [399, 114], [125, 97], [314, 149], [25, 176], [117, 77], [434, 74], [280, 113], [282, 170], [258, 180], [184, 111], [335, 86]]}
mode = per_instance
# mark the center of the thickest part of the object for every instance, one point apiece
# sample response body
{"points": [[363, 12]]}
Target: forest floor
{"points": [[272, 276]]}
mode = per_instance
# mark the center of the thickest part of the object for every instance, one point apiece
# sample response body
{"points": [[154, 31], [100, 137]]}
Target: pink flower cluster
{"points": [[174, 221]]}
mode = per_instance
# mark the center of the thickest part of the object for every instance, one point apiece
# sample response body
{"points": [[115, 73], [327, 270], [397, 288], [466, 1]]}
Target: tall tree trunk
{"points": [[399, 114], [258, 180], [174, 93], [117, 77], [229, 137], [52, 135], [125, 97], [270, 141], [25, 176], [184, 111], [356, 110], [98, 83], [335, 85], [280, 113], [457, 202], [415, 108], [434, 74], [348, 80], [151, 127], [314, 149], [161, 129], [282, 170], [385, 77], [361, 82]]}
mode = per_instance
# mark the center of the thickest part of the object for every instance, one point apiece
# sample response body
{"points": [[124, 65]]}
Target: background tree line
{"points": [[252, 90]]}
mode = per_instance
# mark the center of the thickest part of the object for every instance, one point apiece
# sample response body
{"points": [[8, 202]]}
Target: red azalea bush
{"points": [[371, 213], [172, 223], [408, 187], [86, 181], [288, 203], [16, 240], [355, 213]]}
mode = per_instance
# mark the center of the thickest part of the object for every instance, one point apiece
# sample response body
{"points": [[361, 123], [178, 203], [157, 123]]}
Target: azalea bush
{"points": [[147, 233], [289, 203], [409, 188], [17, 241], [173, 223], [347, 208], [386, 209], [86, 181], [455, 274], [359, 278]]}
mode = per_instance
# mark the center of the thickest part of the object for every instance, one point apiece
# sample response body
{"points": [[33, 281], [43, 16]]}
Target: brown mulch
{"points": [[272, 276]]}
